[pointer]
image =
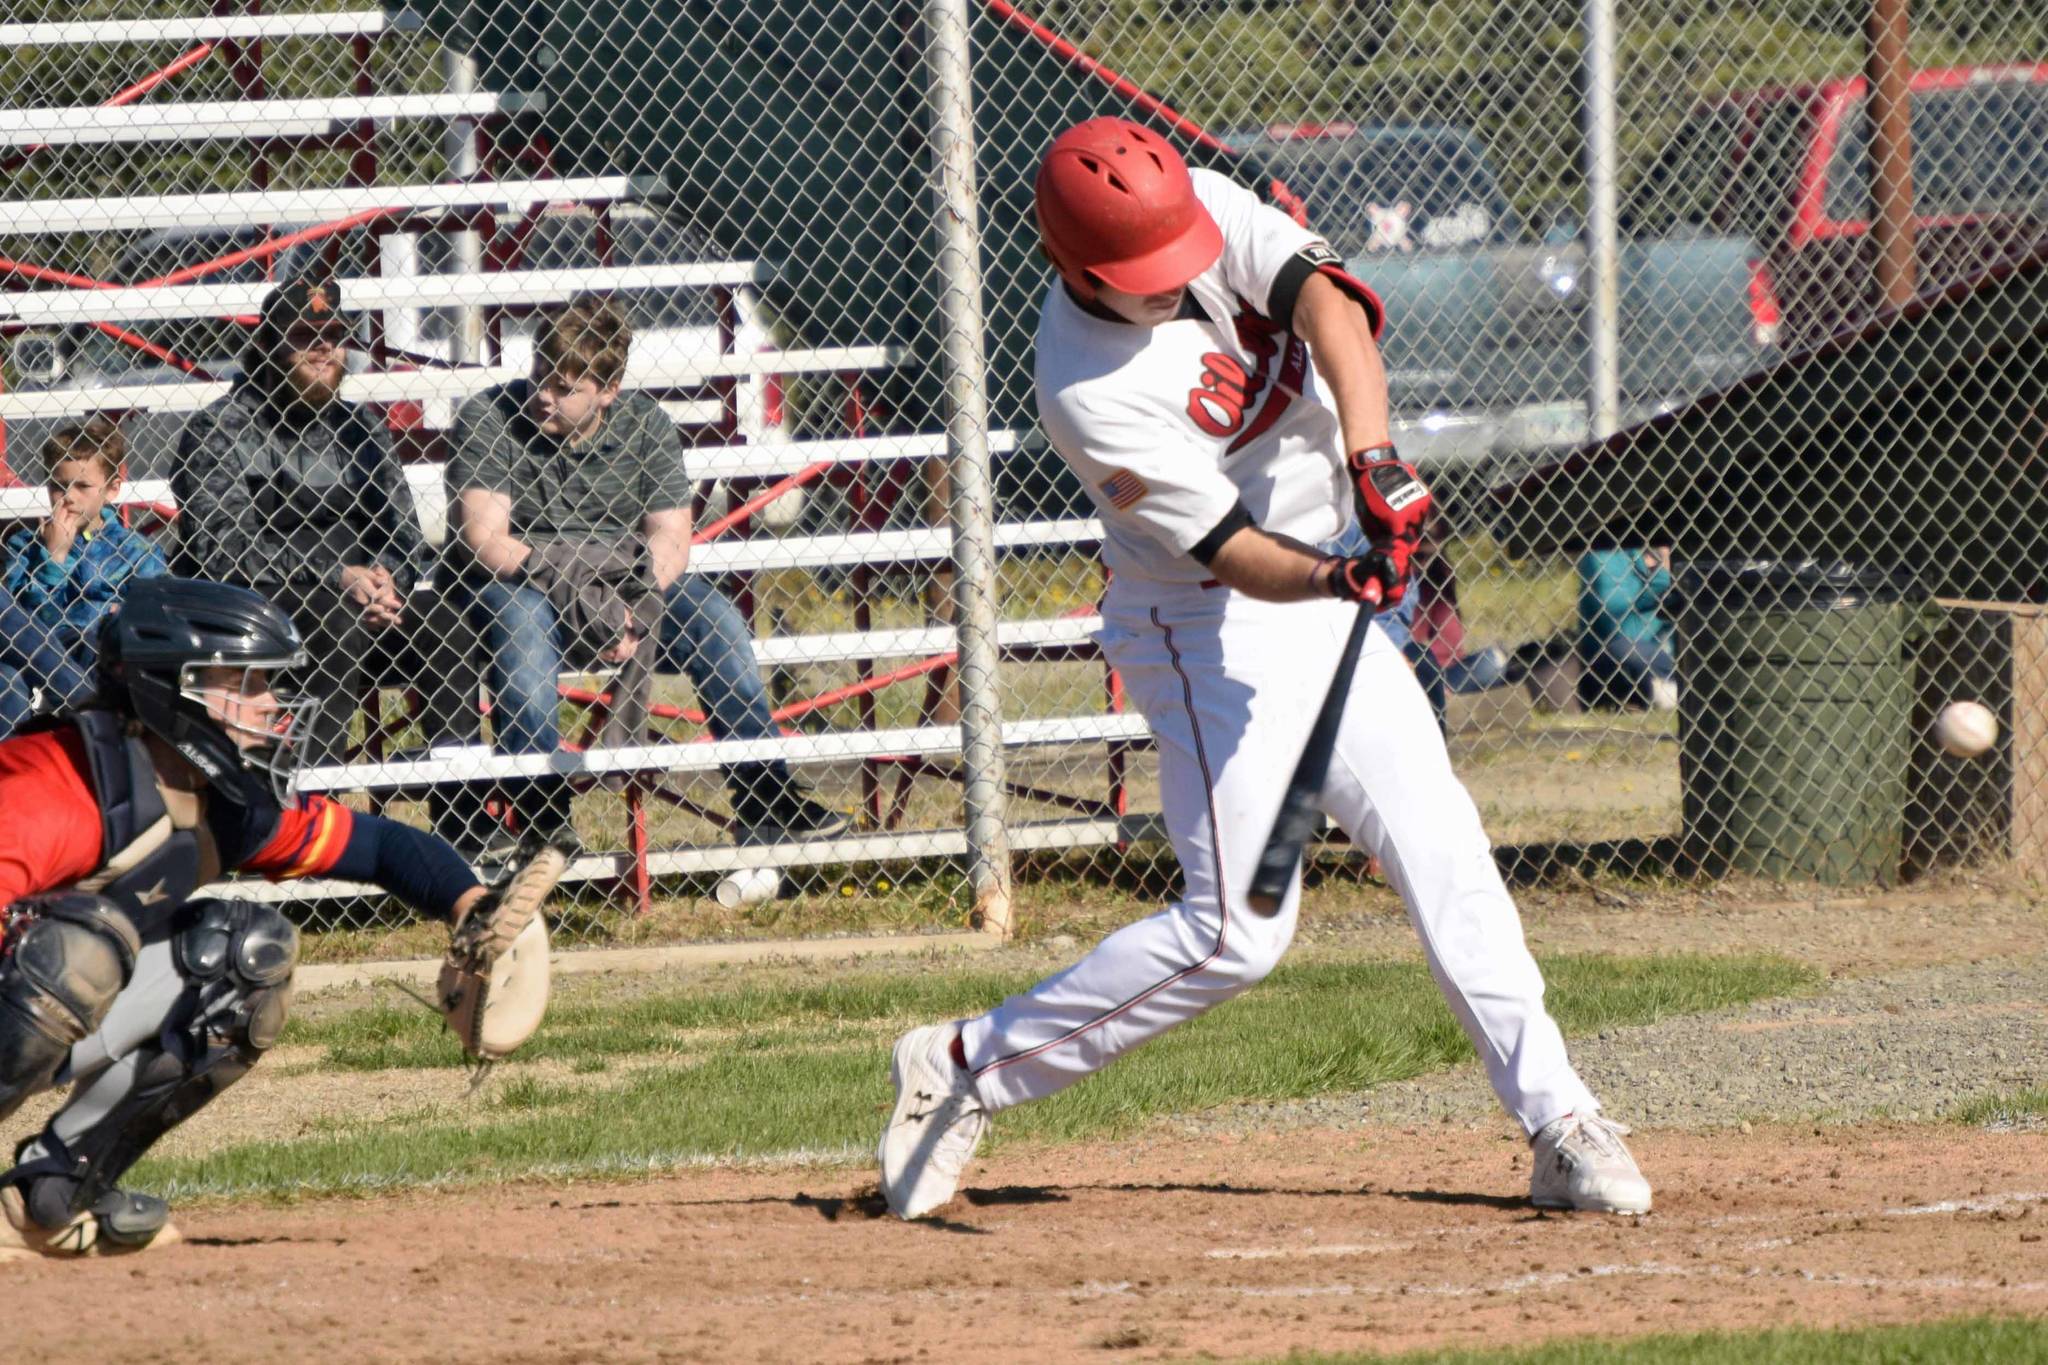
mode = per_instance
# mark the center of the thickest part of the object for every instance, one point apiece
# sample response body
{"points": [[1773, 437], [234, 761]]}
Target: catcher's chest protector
{"points": [[155, 847]]}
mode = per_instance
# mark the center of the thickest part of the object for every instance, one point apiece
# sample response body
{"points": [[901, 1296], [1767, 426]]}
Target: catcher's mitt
{"points": [[494, 980]]}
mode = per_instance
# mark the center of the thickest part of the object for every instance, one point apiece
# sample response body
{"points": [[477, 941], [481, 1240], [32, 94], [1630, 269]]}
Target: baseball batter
{"points": [[1210, 371]]}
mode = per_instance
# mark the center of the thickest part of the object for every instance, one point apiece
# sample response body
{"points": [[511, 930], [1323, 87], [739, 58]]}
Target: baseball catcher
{"points": [[147, 1002]]}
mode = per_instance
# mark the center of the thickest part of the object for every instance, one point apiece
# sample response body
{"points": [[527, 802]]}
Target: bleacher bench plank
{"points": [[658, 372], [18, 504], [211, 29], [1081, 832], [202, 121], [254, 208], [767, 461], [1066, 632], [502, 288], [54, 404], [878, 547], [836, 747]]}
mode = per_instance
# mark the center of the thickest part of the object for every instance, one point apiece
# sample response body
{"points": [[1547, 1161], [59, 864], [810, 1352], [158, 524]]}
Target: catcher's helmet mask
{"points": [[151, 652]]}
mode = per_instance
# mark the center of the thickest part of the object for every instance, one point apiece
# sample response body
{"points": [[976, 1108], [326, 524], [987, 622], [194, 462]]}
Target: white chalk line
{"points": [[1989, 1203]]}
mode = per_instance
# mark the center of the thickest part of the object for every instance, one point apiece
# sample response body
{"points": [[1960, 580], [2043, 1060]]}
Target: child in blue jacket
{"points": [[1624, 640], [64, 573]]}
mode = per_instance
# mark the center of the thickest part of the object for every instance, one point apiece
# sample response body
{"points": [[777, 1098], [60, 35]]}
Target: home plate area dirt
{"points": [[1168, 1248]]}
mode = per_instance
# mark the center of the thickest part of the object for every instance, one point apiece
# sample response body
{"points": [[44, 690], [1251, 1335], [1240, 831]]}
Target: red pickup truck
{"points": [[1790, 168]]}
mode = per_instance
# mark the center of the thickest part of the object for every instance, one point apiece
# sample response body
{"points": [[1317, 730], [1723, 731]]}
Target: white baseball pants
{"points": [[1231, 687]]}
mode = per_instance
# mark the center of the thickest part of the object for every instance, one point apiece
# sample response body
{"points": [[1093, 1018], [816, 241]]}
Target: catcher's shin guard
{"points": [[235, 959], [64, 956]]}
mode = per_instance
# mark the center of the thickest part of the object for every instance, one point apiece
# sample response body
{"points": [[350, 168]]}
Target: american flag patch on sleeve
{"points": [[1123, 489]]}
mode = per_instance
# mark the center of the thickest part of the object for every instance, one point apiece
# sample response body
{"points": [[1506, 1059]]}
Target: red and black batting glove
{"points": [[1393, 507]]}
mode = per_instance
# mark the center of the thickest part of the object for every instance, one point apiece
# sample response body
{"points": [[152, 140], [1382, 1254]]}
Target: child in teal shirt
{"points": [[1624, 640], [63, 574]]}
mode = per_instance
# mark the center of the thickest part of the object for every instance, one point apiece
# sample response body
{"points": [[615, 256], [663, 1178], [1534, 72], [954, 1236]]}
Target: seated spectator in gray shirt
{"points": [[562, 473], [285, 487]]}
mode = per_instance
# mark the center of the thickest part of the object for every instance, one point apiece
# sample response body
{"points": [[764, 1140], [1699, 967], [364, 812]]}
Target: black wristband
{"points": [[1387, 446]]}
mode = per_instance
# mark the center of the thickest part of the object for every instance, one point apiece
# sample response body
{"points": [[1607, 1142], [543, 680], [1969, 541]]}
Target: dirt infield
{"points": [[1169, 1248], [1379, 1222]]}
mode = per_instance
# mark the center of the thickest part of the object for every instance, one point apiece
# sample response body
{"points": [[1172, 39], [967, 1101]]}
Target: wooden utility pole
{"points": [[1888, 76]]}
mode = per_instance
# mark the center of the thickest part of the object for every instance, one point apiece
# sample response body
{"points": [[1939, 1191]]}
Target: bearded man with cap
{"points": [[289, 489]]}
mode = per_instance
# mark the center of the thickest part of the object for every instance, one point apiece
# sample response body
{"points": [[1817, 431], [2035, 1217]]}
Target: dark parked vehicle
{"points": [[1487, 341], [1790, 167]]}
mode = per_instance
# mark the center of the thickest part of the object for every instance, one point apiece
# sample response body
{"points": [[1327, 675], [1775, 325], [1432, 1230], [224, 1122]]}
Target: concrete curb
{"points": [[325, 976]]}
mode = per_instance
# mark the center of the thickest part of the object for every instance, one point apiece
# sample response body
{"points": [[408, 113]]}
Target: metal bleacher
{"points": [[700, 392]]}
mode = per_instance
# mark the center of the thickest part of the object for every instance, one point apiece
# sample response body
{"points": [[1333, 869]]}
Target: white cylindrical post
{"points": [[398, 258], [1603, 241], [466, 343], [956, 236]]}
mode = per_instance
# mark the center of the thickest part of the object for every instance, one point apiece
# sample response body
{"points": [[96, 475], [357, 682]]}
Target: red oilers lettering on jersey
{"points": [[1228, 390], [1265, 340], [1217, 404]]}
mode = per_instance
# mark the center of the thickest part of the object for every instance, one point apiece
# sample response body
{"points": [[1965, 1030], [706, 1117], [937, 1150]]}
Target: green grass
{"points": [[1982, 1341], [2009, 1108], [765, 1073]]}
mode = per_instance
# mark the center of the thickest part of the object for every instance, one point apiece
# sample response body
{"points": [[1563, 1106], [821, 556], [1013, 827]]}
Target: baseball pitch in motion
{"points": [[1966, 729], [1210, 371]]}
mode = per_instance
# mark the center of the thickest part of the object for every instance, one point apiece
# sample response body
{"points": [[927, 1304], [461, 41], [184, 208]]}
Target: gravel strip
{"points": [[1909, 1045]]}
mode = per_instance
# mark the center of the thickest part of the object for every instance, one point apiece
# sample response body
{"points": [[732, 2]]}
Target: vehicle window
{"points": [[1684, 187], [1396, 192], [1765, 178], [1975, 150]]}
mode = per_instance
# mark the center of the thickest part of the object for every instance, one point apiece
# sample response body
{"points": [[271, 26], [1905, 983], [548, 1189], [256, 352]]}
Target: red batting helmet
{"points": [[1116, 206]]}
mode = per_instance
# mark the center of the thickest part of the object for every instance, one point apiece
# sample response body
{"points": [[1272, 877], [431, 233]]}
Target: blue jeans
{"points": [[702, 635], [32, 657], [1619, 670]]}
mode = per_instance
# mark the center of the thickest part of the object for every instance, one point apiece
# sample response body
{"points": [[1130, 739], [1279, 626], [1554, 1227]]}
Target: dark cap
{"points": [[311, 299]]}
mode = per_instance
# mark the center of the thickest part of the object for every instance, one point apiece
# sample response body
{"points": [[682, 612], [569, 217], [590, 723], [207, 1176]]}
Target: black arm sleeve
{"points": [[1312, 260], [411, 864], [1235, 520], [1287, 290]]}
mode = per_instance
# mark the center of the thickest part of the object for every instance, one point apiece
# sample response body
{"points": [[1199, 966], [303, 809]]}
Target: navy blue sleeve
{"points": [[413, 865]]}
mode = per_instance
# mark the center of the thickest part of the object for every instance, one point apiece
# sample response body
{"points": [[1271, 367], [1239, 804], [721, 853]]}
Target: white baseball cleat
{"points": [[937, 1124], [1581, 1163]]}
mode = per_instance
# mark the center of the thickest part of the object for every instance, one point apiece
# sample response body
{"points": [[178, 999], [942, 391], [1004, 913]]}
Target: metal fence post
{"points": [[957, 240], [466, 345], [1603, 249]]}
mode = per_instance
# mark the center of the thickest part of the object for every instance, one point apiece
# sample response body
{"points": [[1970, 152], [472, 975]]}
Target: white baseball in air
{"points": [[1965, 729]]}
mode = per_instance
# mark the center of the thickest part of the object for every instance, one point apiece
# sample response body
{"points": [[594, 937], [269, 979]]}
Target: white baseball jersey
{"points": [[1171, 426]]}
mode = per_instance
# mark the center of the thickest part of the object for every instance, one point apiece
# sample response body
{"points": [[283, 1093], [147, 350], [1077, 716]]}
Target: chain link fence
{"points": [[722, 312]]}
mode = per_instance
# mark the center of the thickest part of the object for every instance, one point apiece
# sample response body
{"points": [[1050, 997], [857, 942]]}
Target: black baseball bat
{"points": [[1296, 822]]}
